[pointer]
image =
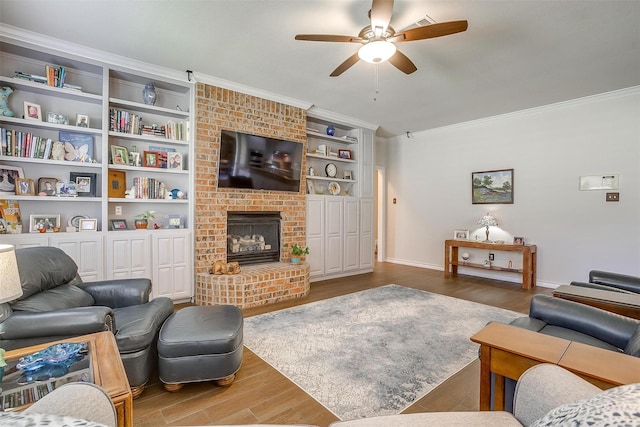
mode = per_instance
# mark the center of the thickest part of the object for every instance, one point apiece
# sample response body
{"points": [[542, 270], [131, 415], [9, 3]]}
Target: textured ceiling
{"points": [[516, 54]]}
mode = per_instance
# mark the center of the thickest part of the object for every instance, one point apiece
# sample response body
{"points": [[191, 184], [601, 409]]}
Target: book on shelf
{"points": [[149, 188], [24, 144], [125, 122], [54, 76]]}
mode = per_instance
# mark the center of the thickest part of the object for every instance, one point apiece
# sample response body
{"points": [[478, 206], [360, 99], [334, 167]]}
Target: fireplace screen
{"points": [[253, 238]]}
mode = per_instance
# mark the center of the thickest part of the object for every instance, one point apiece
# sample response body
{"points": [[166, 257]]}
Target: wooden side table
{"points": [[107, 368], [508, 351]]}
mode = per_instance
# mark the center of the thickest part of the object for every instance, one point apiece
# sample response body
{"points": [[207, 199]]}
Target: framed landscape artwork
{"points": [[492, 187]]}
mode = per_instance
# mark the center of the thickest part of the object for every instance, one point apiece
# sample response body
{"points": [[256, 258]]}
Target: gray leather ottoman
{"points": [[202, 343]]}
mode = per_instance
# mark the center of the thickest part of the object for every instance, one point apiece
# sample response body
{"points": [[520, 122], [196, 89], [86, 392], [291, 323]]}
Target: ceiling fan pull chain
{"points": [[377, 87]]}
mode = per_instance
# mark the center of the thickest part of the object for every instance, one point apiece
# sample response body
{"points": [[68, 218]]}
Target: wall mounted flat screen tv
{"points": [[259, 163]]}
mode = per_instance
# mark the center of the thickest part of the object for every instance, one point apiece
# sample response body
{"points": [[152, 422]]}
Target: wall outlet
{"points": [[492, 257], [613, 197], [118, 210]]}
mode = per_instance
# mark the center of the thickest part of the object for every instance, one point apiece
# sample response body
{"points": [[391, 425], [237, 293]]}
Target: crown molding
{"points": [[339, 118]]}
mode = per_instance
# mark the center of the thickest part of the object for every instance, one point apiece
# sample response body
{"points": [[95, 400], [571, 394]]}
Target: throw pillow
{"points": [[21, 419], [619, 406]]}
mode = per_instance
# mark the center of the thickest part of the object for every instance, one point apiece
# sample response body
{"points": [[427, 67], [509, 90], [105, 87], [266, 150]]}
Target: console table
{"points": [[529, 259], [508, 351]]}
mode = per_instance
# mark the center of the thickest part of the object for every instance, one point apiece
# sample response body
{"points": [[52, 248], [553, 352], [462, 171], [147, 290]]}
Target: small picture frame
{"points": [[461, 234], [150, 159], [8, 176], [24, 187], [32, 111], [47, 222], [90, 224], [47, 186], [58, 119], [82, 120], [119, 224], [344, 154], [518, 240], [119, 155], [310, 187], [174, 161], [85, 183], [135, 159], [174, 221], [347, 174], [66, 189]]}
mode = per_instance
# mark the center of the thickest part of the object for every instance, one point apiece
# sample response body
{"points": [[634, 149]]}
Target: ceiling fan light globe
{"points": [[377, 51]]}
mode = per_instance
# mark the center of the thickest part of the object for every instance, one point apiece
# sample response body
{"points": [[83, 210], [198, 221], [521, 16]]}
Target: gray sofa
{"points": [[545, 395], [609, 281], [56, 304]]}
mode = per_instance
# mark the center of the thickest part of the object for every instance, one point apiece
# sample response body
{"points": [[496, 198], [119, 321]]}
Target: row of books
{"points": [[149, 188], [54, 76], [127, 122], [24, 144]]}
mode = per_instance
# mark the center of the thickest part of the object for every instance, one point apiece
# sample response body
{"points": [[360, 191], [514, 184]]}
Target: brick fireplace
{"points": [[217, 109]]}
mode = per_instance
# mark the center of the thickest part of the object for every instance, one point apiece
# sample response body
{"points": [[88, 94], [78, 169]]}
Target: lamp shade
{"points": [[10, 288], [488, 220], [377, 51]]}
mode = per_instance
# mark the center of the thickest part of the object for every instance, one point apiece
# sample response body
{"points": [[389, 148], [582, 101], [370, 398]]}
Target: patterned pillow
{"points": [[21, 419], [619, 406]]}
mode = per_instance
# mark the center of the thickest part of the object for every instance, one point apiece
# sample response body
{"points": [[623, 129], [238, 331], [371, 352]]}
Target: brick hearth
{"points": [[255, 285]]}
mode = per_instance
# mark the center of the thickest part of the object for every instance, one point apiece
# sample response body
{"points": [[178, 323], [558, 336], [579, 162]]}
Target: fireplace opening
{"points": [[253, 237]]}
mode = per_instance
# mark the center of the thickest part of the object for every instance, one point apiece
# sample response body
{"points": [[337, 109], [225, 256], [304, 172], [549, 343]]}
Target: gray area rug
{"points": [[373, 352]]}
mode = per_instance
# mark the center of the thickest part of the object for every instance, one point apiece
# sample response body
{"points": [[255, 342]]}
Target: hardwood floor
{"points": [[260, 394]]}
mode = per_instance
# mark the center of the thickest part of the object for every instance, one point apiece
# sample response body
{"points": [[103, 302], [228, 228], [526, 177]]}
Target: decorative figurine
{"points": [[4, 101], [331, 130]]}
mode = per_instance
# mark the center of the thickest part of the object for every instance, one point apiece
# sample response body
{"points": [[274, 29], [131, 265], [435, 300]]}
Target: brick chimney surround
{"points": [[217, 109]]}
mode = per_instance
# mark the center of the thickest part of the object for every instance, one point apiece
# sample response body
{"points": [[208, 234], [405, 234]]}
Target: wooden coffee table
{"points": [[507, 351], [107, 369], [615, 302]]}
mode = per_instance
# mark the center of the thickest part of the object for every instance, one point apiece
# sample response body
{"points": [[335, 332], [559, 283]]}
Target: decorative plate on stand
{"points": [[334, 188], [74, 220]]}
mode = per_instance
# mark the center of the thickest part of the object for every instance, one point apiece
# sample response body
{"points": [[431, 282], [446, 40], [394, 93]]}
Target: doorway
{"points": [[380, 213]]}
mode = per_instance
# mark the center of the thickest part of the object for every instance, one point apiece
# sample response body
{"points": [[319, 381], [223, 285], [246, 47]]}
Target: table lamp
{"points": [[10, 288], [487, 221]]}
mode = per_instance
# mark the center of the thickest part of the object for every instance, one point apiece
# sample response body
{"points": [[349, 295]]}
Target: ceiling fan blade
{"points": [[402, 63], [328, 38], [345, 65], [430, 31], [381, 11]]}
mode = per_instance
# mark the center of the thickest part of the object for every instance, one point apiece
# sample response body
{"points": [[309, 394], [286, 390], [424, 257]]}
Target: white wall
{"points": [[549, 148]]}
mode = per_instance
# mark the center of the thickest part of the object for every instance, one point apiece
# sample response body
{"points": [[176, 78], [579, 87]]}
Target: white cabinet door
{"points": [[128, 255], [86, 249], [351, 235], [172, 266], [24, 240], [367, 243], [334, 235], [315, 234]]}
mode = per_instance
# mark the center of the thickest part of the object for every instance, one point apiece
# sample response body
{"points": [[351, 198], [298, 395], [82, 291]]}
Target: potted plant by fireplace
{"points": [[297, 253], [142, 220]]}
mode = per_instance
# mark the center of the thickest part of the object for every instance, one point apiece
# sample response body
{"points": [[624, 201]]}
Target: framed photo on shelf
{"points": [[119, 155], [47, 222], [82, 121], [461, 234], [117, 183], [492, 187], [58, 119], [119, 224], [24, 187], [174, 221], [150, 159], [32, 111], [78, 147], [66, 189], [344, 154], [347, 174], [8, 177], [174, 161], [47, 186], [518, 240], [85, 183], [90, 224]]}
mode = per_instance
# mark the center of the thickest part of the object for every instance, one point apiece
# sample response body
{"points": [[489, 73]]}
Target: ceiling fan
{"points": [[378, 39]]}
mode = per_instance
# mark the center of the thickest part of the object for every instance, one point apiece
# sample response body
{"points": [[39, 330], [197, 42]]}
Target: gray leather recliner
{"points": [[56, 304]]}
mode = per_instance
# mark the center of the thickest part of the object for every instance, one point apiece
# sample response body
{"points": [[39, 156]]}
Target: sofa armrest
{"points": [[606, 326], [119, 293], [70, 322], [545, 387], [615, 280]]}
